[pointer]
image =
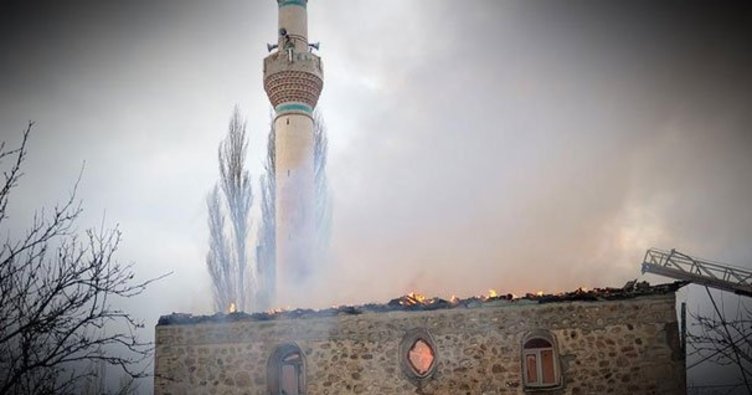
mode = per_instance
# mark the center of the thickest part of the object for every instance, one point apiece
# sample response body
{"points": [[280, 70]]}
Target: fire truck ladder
{"points": [[676, 265]]}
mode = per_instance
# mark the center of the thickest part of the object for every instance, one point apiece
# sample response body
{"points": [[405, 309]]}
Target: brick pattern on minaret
{"points": [[293, 79]]}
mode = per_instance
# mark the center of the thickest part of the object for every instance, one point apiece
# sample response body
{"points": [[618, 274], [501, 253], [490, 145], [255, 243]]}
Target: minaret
{"points": [[293, 79]]}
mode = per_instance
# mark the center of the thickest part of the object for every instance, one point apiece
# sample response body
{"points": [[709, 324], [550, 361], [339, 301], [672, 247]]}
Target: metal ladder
{"points": [[680, 266]]}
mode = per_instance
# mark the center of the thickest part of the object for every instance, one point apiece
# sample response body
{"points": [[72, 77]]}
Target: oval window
{"points": [[418, 355]]}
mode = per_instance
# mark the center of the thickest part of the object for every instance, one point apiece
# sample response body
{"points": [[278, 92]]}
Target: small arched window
{"points": [[540, 361], [285, 372]]}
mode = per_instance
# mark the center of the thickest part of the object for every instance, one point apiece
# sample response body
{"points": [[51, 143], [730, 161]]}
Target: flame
{"points": [[454, 299], [414, 298], [492, 293], [419, 297], [232, 308], [275, 310], [539, 293]]}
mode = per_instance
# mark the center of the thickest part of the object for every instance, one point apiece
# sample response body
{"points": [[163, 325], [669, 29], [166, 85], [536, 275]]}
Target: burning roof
{"points": [[417, 302]]}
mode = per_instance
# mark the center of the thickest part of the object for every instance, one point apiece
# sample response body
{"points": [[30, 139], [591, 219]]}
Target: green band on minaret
{"points": [[284, 3], [293, 107]]}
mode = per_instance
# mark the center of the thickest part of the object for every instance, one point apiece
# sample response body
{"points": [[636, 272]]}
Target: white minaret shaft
{"points": [[293, 80]]}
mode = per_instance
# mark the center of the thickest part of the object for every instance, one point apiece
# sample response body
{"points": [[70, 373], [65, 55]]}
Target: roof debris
{"points": [[414, 302]]}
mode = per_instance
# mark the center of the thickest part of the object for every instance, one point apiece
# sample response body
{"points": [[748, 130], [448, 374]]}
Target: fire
{"points": [[539, 293], [232, 308], [419, 297], [454, 299], [492, 293], [414, 298], [277, 310]]}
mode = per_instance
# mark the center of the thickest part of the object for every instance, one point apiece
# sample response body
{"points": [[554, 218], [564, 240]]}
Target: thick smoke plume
{"points": [[266, 242]]}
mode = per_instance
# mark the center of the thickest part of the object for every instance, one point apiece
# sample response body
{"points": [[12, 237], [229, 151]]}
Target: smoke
{"points": [[514, 146], [523, 147], [472, 145]]}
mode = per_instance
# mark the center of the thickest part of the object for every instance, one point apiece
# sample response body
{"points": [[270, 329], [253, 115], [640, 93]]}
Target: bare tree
{"points": [[227, 258], [266, 242], [724, 341], [323, 203], [218, 260], [56, 290]]}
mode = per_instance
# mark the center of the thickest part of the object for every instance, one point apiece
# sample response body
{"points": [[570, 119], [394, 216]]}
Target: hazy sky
{"points": [[520, 146]]}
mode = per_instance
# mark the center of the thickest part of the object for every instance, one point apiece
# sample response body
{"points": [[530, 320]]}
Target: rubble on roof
{"points": [[413, 302]]}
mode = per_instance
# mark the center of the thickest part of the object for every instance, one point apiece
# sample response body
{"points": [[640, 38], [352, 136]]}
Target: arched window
{"points": [[285, 371], [540, 361]]}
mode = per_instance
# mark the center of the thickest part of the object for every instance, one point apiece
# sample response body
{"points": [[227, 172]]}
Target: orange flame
{"points": [[414, 298], [232, 308], [419, 297], [492, 293]]}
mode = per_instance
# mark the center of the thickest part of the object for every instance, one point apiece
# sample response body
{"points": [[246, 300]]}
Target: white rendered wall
{"points": [[294, 19], [293, 79], [294, 206]]}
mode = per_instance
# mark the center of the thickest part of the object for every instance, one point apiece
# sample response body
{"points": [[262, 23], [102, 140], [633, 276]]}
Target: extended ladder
{"points": [[684, 267]]}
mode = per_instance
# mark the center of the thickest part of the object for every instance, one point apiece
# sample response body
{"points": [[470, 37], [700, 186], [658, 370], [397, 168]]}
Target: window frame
{"points": [[537, 353], [275, 365]]}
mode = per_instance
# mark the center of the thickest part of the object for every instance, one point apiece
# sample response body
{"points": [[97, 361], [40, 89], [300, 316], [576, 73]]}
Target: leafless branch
{"points": [[723, 341], [55, 292]]}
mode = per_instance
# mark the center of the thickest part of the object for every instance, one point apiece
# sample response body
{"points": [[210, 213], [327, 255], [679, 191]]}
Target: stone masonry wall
{"points": [[607, 347]]}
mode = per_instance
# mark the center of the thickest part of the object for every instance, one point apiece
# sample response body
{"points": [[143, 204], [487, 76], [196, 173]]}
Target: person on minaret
{"points": [[293, 79]]}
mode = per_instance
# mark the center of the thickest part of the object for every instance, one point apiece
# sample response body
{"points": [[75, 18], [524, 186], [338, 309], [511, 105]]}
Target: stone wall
{"points": [[605, 347]]}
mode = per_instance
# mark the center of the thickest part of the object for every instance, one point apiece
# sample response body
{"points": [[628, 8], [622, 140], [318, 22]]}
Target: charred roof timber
{"points": [[412, 302]]}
